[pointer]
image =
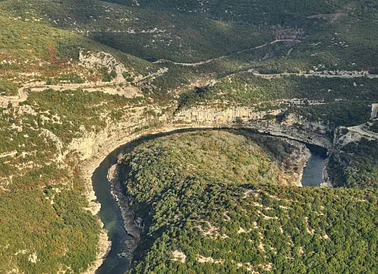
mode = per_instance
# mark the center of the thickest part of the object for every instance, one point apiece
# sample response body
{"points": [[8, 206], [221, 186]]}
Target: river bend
{"points": [[119, 258]]}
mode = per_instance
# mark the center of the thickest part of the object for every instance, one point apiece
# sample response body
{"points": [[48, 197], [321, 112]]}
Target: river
{"points": [[313, 172], [119, 258]]}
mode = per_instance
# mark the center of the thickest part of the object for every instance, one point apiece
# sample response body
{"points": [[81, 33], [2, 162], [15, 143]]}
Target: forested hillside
{"points": [[203, 214]]}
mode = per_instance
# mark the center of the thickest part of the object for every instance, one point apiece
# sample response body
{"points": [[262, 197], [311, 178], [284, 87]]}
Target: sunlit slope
{"points": [[33, 50], [45, 223], [333, 34], [147, 32]]}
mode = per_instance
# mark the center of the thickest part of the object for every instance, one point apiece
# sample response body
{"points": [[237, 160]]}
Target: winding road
{"points": [[164, 61], [111, 87], [128, 90], [341, 74], [320, 74], [360, 130], [107, 87]]}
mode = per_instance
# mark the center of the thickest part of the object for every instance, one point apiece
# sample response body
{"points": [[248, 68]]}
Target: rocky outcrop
{"points": [[374, 111], [342, 137], [345, 135], [102, 59], [293, 127], [131, 224], [292, 169], [93, 148]]}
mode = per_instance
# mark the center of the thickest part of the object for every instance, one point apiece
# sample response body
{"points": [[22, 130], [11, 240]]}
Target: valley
{"points": [[212, 105]]}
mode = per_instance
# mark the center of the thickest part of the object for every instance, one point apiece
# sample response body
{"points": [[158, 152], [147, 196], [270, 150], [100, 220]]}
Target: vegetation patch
{"points": [[213, 198], [358, 165]]}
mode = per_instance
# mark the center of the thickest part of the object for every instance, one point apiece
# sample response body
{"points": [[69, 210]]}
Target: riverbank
{"points": [[131, 227], [104, 246], [94, 148], [101, 146], [299, 160], [289, 174]]}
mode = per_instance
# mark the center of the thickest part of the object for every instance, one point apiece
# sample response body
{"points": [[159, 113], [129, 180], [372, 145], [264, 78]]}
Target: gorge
{"points": [[110, 194], [218, 120]]}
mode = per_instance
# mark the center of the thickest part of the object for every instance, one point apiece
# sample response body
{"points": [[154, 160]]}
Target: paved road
{"points": [[359, 129]]}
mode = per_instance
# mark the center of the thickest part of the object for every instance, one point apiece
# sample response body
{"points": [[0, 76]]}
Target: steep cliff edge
{"points": [[92, 148]]}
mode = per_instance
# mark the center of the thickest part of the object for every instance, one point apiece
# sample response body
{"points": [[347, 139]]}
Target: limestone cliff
{"points": [[92, 147], [293, 127]]}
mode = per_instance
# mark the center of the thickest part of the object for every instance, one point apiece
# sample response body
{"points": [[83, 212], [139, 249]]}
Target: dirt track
{"points": [[164, 61], [119, 88]]}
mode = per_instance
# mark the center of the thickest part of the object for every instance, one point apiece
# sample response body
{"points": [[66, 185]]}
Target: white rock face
{"points": [[58, 143], [374, 111], [312, 133], [85, 144], [178, 256], [211, 115], [33, 258], [102, 59]]}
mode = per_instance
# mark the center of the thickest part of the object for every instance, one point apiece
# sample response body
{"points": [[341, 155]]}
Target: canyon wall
{"points": [[374, 111], [292, 127], [92, 148]]}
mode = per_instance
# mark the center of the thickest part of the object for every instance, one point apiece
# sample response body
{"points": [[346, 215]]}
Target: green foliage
{"points": [[333, 34], [338, 113], [7, 87], [178, 37], [374, 127], [43, 215], [56, 235], [202, 150], [336, 101], [24, 40], [31, 46], [179, 189], [361, 164], [258, 11], [68, 78], [77, 108], [191, 202], [248, 89], [108, 76]]}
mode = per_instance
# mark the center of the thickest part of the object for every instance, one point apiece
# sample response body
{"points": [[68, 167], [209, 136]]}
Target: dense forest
{"points": [[44, 224], [211, 203], [357, 165]]}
